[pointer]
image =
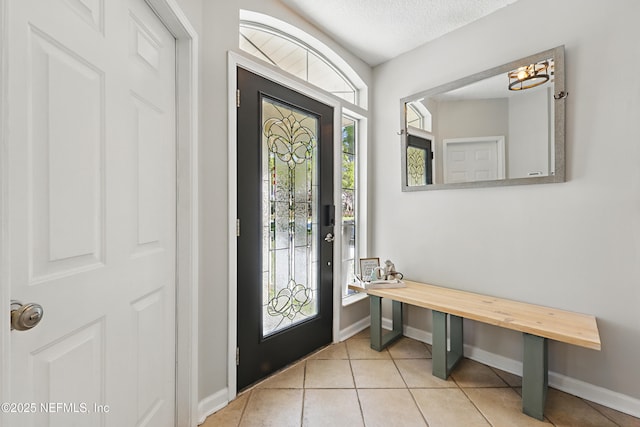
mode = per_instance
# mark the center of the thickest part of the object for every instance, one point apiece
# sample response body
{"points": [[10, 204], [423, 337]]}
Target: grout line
{"points": [[304, 375], [304, 390], [304, 396], [600, 412], [358, 396], [355, 385], [472, 402], [244, 408]]}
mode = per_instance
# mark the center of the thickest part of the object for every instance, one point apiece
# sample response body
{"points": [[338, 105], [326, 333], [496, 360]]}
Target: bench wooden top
{"points": [[560, 325]]}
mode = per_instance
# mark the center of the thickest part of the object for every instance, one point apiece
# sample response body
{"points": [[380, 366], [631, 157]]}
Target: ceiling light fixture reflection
{"points": [[531, 75]]}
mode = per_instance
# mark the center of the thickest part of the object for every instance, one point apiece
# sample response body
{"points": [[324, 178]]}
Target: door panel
{"points": [[92, 212], [65, 159], [285, 196]]}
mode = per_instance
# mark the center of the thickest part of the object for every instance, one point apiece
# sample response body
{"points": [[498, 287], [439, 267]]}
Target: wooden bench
{"points": [[537, 323]]}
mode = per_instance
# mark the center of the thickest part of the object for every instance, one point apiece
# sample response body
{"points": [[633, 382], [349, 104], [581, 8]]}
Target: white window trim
{"points": [[361, 196]]}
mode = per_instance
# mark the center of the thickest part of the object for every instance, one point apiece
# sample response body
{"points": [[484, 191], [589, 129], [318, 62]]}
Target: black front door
{"points": [[285, 212], [419, 161]]}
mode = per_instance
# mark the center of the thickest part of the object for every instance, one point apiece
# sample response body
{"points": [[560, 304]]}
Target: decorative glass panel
{"points": [[290, 252], [416, 170]]}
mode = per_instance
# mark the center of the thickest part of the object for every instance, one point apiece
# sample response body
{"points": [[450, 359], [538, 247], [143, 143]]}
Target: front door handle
{"points": [[329, 238]]}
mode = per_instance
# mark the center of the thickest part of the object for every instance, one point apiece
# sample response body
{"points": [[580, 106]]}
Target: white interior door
{"points": [[473, 159], [92, 212]]}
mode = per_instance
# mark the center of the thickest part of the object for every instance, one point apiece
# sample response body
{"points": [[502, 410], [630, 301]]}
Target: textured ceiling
{"points": [[378, 30]]}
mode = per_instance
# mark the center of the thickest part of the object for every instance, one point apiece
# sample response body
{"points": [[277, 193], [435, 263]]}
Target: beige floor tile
{"points": [[230, 415], [273, 408], [622, 419], [366, 333], [279, 401], [509, 378], [502, 407], [417, 374], [565, 410], [385, 408], [334, 351], [376, 374], [292, 377], [470, 373], [361, 349], [407, 348], [335, 408], [448, 407], [328, 374]]}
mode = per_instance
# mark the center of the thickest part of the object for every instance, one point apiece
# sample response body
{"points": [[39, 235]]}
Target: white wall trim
{"points": [[234, 60], [5, 291], [355, 328], [211, 404], [232, 252], [187, 250], [594, 393]]}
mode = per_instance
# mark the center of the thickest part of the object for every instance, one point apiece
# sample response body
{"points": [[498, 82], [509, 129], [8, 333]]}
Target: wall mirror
{"points": [[502, 126]]}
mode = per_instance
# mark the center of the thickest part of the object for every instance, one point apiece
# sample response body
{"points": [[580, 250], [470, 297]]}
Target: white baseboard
{"points": [[611, 399], [353, 329], [211, 404]]}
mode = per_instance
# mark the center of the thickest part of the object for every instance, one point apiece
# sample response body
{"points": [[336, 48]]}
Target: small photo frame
{"points": [[367, 265]]}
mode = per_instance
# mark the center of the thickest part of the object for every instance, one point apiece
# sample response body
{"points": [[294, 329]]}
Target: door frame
{"points": [[187, 252], [239, 59]]}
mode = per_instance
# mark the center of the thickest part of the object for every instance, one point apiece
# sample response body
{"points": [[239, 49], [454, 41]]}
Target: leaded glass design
{"points": [[290, 193], [416, 171]]}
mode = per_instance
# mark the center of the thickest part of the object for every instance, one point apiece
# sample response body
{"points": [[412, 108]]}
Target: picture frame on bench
{"points": [[367, 265]]}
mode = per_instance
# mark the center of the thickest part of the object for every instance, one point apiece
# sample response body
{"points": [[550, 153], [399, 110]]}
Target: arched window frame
{"points": [[303, 39]]}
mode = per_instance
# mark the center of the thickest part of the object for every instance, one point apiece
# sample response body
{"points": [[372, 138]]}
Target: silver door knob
{"points": [[25, 316], [329, 238]]}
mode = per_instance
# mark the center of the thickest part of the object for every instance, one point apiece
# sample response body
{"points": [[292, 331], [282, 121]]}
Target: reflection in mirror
{"points": [[503, 126], [419, 159]]}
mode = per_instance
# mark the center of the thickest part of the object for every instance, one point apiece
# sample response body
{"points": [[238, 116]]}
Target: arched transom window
{"points": [[295, 57]]}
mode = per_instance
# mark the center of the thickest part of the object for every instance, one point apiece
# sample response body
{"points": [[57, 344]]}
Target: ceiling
{"points": [[378, 30]]}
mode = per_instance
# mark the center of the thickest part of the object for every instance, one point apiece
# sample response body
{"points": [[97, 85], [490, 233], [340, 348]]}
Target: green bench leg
{"points": [[445, 360], [379, 340], [535, 375]]}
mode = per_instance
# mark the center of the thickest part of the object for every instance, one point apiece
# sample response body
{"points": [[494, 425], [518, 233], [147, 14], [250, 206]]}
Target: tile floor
{"points": [[336, 387]]}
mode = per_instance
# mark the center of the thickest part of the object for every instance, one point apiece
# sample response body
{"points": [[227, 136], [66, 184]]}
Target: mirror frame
{"points": [[559, 95]]}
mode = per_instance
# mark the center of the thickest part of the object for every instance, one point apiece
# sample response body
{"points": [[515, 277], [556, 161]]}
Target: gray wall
{"points": [[574, 245]]}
